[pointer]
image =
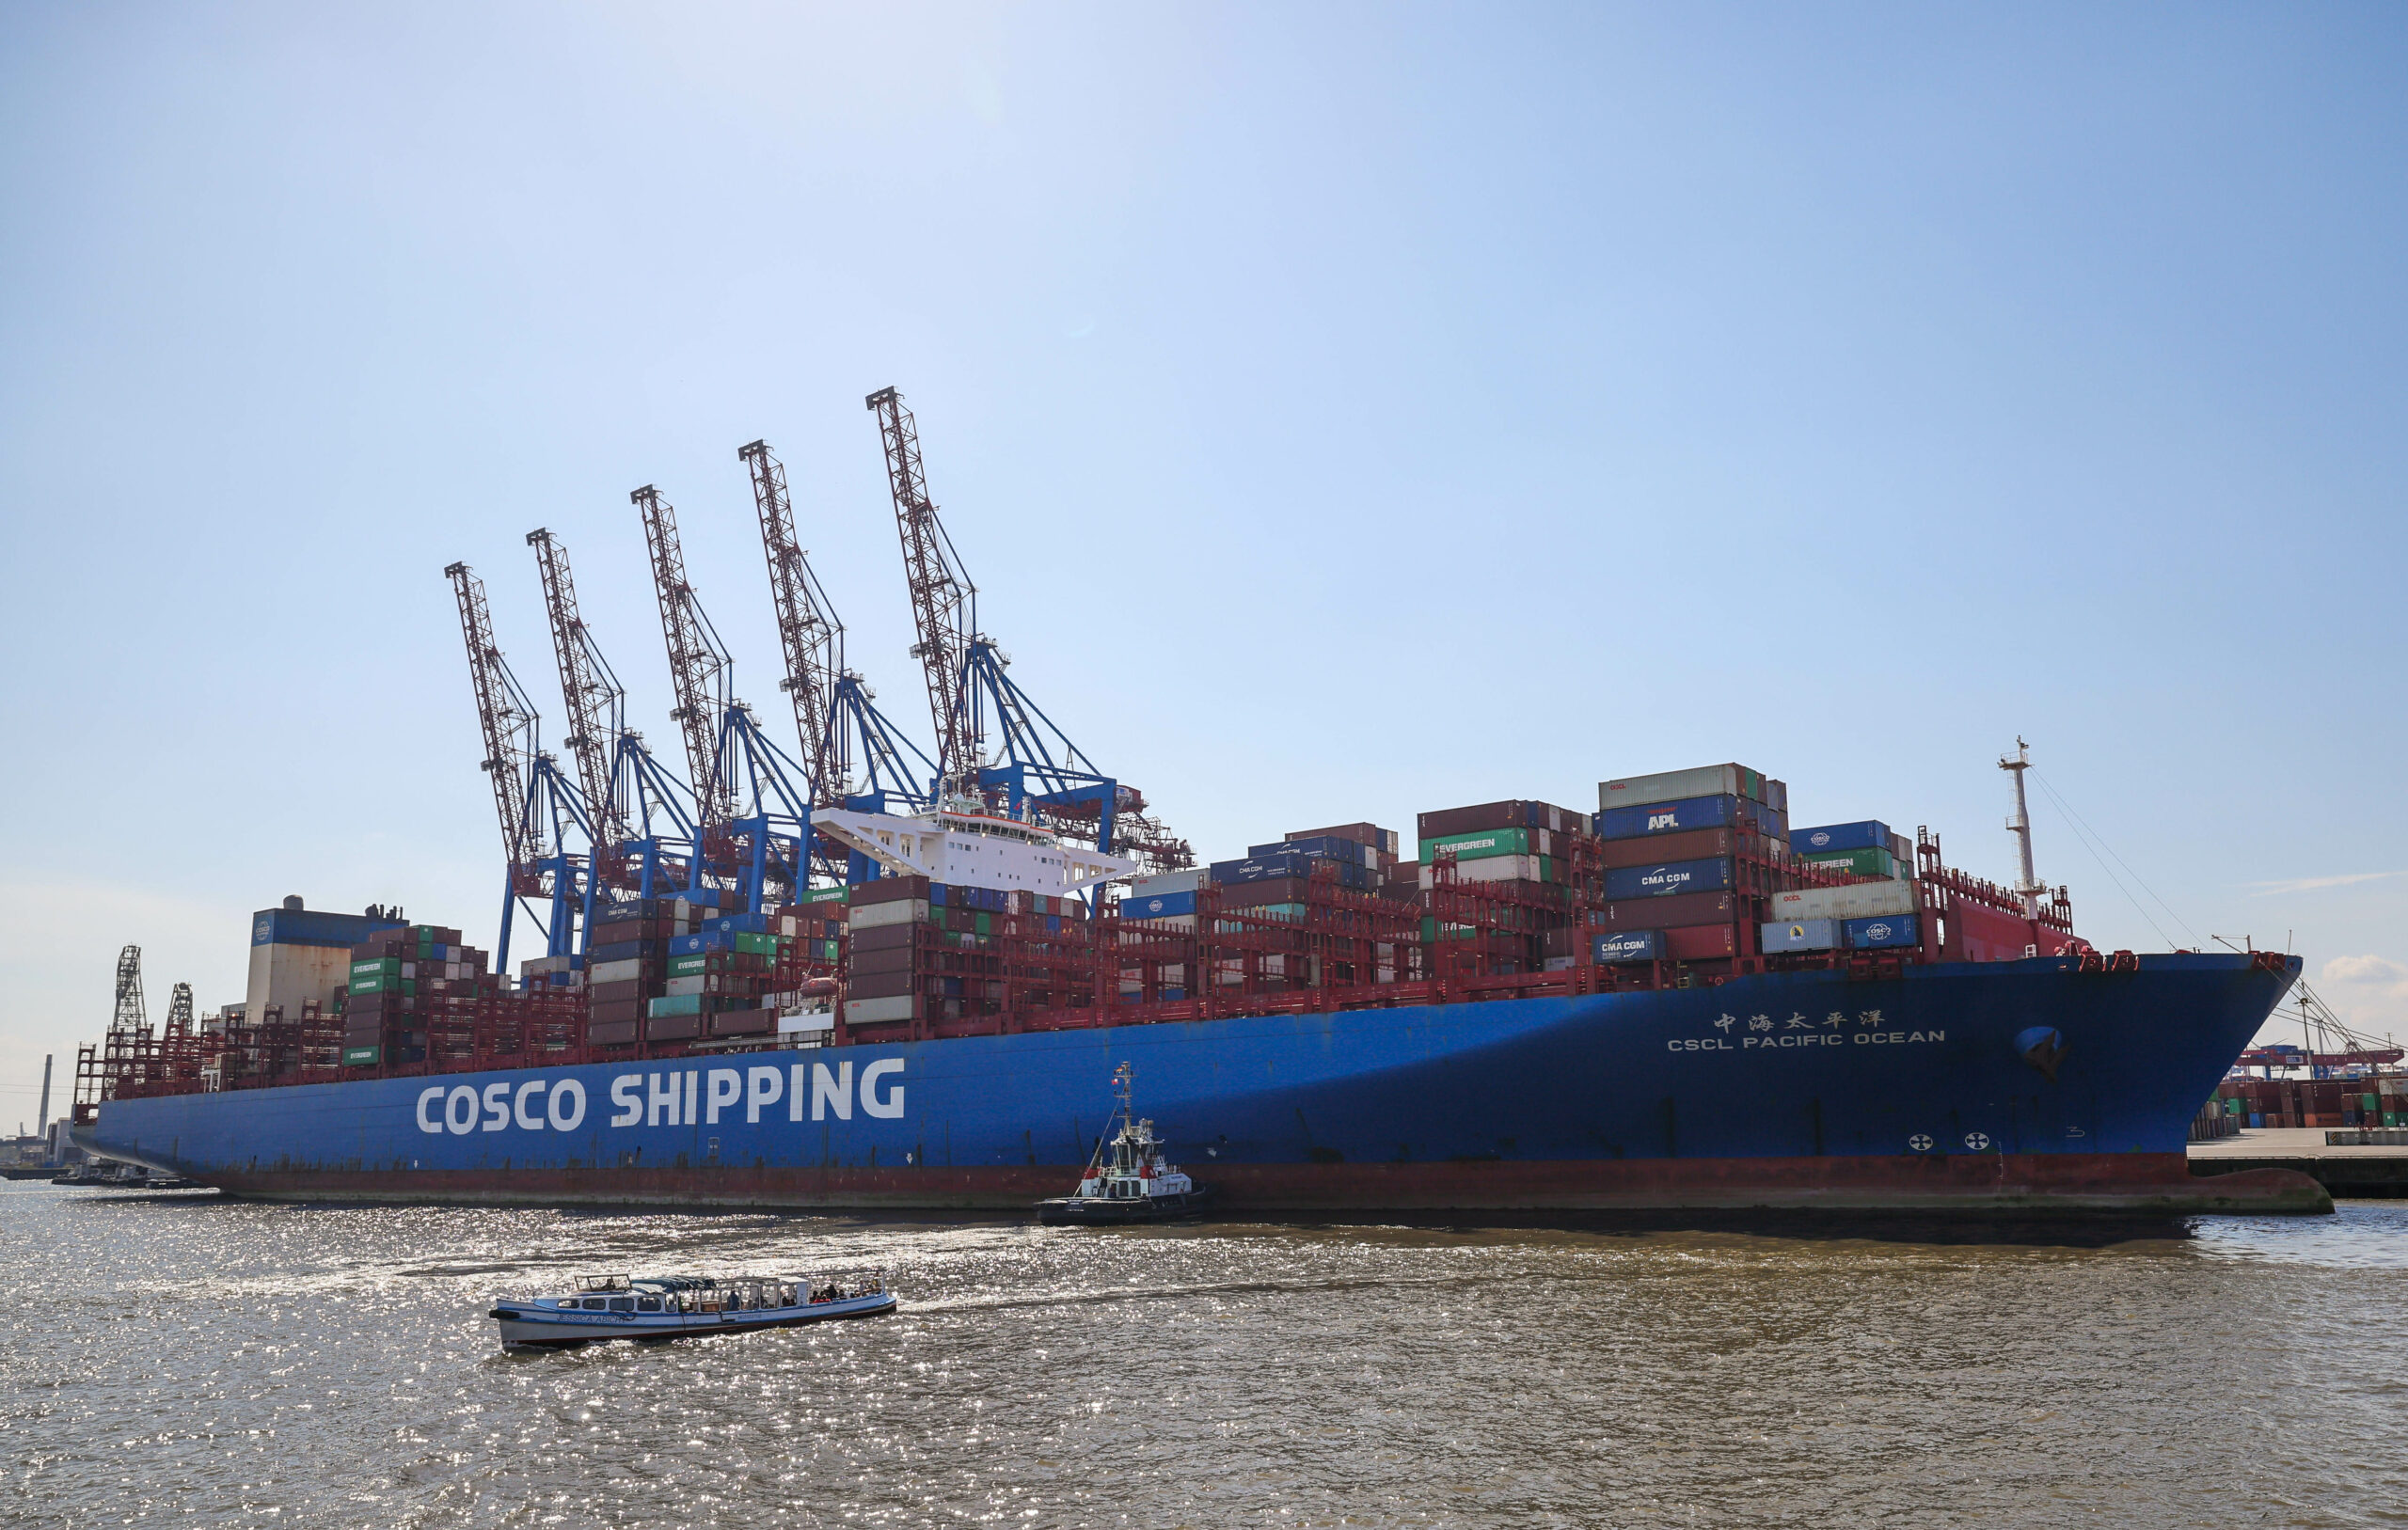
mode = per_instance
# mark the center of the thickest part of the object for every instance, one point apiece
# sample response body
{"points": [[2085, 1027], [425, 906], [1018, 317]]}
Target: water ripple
{"points": [[195, 1362]]}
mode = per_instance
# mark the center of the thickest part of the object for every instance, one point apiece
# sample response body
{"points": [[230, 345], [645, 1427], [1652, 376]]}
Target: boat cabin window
{"points": [[647, 1303], [623, 1303], [596, 1303]]}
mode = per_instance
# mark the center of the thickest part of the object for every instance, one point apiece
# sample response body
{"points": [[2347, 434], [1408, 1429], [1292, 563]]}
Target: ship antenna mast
{"points": [[2029, 889]]}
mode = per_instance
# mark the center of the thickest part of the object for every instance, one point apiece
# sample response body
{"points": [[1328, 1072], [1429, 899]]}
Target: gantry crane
{"points": [[536, 803], [1034, 769], [751, 813], [835, 713], [644, 824]]}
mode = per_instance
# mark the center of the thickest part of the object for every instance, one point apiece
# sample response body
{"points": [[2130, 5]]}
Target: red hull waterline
{"points": [[1999, 1184]]}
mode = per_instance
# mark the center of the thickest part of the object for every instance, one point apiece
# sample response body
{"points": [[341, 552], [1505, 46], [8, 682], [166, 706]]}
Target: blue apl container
{"points": [[687, 945], [1663, 881], [1669, 817], [1884, 931], [1626, 946], [1869, 834], [730, 924], [1161, 906]]}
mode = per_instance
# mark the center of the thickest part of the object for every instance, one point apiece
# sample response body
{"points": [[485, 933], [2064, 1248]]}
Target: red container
{"points": [[626, 988], [878, 986], [616, 1010], [882, 938], [744, 1023], [673, 1027], [1664, 913], [609, 1033], [1518, 813], [1253, 895], [862, 963], [1701, 942], [890, 889]]}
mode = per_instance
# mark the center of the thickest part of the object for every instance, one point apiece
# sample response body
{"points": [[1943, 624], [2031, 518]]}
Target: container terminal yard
{"points": [[861, 972]]}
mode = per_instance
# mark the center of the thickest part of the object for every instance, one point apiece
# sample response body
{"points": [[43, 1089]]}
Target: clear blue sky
{"points": [[1345, 411]]}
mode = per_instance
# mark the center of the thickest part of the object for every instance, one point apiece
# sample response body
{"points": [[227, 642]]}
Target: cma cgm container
{"points": [[1667, 880]]}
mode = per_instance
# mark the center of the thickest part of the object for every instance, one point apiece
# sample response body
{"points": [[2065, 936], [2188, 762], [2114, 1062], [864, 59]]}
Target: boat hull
{"points": [[1109, 1211], [1923, 1092], [528, 1328]]}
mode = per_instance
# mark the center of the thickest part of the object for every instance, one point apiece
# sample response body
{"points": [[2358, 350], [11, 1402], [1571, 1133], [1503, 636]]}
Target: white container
{"points": [[619, 971], [678, 985], [1675, 786], [1490, 869], [872, 1011], [812, 1019], [1857, 900], [1168, 882], [873, 916]]}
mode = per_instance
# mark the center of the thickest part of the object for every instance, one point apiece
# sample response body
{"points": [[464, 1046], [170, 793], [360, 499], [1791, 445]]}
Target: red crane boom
{"points": [[943, 600], [813, 637], [592, 700], [509, 724], [698, 665]]}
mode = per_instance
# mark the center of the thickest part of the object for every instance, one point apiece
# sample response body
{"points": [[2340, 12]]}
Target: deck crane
{"points": [[1033, 767], [536, 803], [123, 1058], [752, 813], [643, 822], [835, 713]]}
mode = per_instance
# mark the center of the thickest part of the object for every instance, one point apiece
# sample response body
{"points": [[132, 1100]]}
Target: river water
{"points": [[177, 1359]]}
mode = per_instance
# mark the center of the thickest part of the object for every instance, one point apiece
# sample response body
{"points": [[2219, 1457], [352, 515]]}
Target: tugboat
{"points": [[1127, 1178], [606, 1307]]}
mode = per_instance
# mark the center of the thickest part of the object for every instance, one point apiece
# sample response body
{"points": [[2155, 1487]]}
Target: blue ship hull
{"points": [[1791, 1090]]}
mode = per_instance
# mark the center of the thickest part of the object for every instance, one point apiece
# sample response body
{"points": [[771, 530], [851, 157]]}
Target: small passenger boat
{"points": [[684, 1308], [1127, 1178]]}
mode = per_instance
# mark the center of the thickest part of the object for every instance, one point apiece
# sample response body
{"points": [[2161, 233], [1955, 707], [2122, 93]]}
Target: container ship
{"points": [[871, 975], [1365, 1036]]}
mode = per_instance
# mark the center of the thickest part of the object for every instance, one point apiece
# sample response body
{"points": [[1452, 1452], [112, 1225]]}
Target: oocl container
{"points": [[1858, 900]]}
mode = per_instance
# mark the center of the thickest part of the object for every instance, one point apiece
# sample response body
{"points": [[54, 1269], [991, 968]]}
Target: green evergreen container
{"points": [[362, 1057], [1478, 846], [1868, 861]]}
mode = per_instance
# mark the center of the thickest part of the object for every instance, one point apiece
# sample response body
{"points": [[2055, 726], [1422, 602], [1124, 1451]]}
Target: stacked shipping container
{"points": [[2369, 1102], [412, 995]]}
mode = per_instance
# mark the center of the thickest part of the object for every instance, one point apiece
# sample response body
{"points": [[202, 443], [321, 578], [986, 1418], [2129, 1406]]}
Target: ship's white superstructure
{"points": [[969, 846]]}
